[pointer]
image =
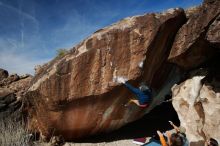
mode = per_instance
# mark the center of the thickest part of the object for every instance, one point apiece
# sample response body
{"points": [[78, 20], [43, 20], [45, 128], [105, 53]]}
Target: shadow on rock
{"points": [[147, 126]]}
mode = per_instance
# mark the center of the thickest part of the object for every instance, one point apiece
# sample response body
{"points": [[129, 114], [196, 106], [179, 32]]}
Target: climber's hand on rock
{"points": [[121, 80]]}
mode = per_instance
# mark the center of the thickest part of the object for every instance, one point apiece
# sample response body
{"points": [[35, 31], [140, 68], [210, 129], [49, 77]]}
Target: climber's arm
{"points": [[131, 88], [174, 126]]}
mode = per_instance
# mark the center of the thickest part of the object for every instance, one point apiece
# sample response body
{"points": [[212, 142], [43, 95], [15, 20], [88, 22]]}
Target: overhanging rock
{"points": [[75, 95]]}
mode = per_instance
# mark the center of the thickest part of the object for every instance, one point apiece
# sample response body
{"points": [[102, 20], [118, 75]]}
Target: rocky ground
{"points": [[115, 143]]}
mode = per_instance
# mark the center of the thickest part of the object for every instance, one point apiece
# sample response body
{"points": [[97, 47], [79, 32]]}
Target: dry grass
{"points": [[13, 133]]}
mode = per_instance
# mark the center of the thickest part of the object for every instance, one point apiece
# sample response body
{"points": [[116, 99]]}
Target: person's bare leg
{"points": [[129, 102], [134, 101]]}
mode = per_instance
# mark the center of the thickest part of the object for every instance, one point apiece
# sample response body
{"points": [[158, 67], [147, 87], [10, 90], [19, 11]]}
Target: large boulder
{"points": [[191, 47], [75, 95], [3, 74], [10, 79], [198, 107]]}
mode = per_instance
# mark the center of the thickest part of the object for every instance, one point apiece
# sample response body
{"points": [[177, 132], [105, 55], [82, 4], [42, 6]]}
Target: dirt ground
{"points": [[114, 143]]}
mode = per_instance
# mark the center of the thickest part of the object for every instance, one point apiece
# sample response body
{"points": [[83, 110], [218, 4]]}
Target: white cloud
{"points": [[19, 12], [16, 60], [20, 64], [21, 48], [20, 51]]}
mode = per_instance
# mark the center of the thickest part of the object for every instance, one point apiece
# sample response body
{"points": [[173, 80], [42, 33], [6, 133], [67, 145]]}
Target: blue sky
{"points": [[32, 30]]}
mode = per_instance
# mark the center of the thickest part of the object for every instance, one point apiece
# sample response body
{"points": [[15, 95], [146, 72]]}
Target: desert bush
{"points": [[13, 133], [61, 52]]}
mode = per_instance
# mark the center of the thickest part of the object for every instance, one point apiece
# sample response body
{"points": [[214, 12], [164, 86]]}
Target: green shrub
{"points": [[61, 52]]}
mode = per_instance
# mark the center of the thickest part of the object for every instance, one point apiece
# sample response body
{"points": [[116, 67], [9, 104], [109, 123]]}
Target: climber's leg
{"points": [[130, 101], [134, 101]]}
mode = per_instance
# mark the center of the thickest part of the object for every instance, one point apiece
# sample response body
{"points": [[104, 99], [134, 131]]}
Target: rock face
{"points": [[192, 46], [198, 108], [75, 95], [213, 35], [197, 100], [11, 89]]}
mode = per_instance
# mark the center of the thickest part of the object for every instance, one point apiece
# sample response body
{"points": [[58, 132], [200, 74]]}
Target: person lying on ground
{"points": [[143, 93], [175, 137]]}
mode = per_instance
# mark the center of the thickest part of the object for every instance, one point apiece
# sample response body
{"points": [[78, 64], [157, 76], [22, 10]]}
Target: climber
{"points": [[143, 94]]}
